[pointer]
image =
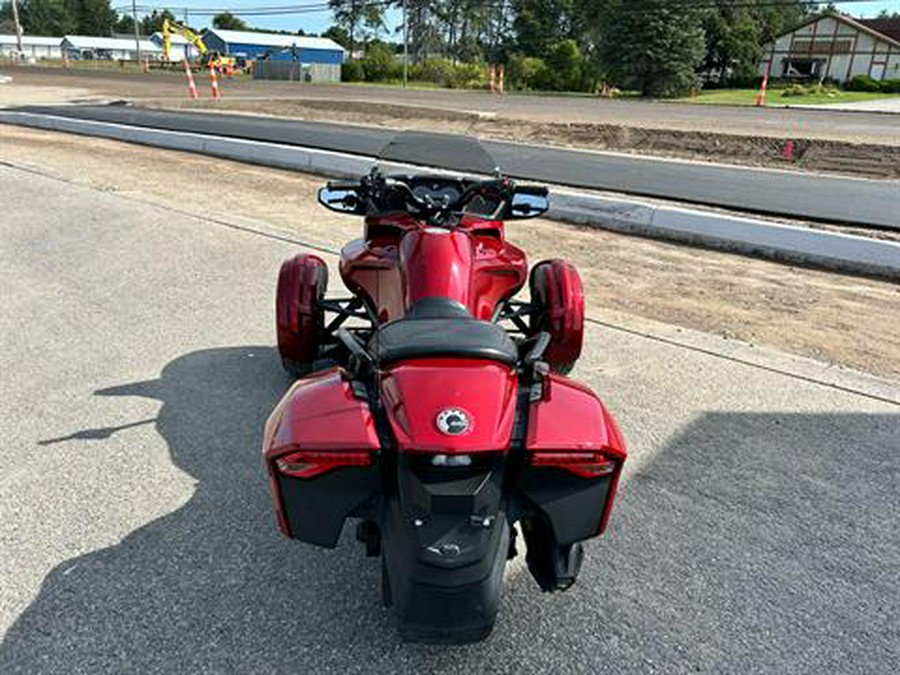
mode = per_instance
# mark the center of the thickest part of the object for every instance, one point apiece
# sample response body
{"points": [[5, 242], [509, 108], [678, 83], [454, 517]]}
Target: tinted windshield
{"points": [[443, 151]]}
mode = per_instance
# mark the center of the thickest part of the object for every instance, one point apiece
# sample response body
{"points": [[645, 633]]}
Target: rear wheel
{"points": [[559, 298], [300, 322]]}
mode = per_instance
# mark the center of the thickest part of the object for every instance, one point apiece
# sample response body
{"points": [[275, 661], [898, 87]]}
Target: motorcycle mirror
{"points": [[528, 203], [340, 199]]}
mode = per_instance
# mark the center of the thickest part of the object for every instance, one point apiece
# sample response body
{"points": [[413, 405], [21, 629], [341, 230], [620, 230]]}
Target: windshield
{"points": [[441, 151]]}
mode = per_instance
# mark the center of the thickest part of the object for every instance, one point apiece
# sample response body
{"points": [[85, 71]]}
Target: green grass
{"points": [[774, 97]]}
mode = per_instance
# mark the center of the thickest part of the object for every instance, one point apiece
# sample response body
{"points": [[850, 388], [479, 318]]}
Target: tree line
{"points": [[56, 18], [657, 47]]}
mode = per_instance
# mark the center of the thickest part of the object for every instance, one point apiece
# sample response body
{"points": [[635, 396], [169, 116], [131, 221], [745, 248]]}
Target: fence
{"points": [[296, 71]]}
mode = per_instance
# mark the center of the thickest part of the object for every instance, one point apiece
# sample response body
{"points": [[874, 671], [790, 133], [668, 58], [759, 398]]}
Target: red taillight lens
{"points": [[582, 464], [311, 463]]}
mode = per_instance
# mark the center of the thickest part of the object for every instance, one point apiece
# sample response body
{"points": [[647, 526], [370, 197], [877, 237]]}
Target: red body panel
{"points": [[417, 391], [401, 261], [318, 413], [436, 262], [572, 417]]}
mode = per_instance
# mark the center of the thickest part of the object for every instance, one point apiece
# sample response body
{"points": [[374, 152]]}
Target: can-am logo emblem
{"points": [[453, 421]]}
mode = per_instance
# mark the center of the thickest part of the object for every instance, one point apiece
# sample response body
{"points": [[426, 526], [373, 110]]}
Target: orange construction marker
{"points": [[214, 82], [761, 96], [192, 88]]}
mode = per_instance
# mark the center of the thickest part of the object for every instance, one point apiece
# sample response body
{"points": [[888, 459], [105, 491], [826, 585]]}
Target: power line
{"points": [[319, 7]]}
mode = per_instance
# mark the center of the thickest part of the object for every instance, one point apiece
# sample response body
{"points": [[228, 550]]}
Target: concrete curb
{"points": [[724, 231]]}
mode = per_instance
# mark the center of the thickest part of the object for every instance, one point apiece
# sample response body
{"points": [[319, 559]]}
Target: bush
{"points": [[811, 90], [795, 90], [468, 76], [352, 71], [566, 67], [436, 70], [526, 72], [890, 86], [379, 63], [863, 83]]}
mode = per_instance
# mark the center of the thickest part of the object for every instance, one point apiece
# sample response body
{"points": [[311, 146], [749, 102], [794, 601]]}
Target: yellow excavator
{"points": [[221, 62]]}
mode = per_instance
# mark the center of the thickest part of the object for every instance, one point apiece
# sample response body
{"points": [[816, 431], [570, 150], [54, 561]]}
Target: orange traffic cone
{"points": [[192, 88], [761, 95], [213, 81]]}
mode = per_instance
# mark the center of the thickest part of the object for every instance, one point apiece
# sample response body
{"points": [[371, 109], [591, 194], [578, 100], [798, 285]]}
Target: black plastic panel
{"points": [[573, 506], [316, 508]]}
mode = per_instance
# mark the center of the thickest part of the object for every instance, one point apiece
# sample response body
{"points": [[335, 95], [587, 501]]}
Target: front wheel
{"points": [[300, 321], [559, 298]]}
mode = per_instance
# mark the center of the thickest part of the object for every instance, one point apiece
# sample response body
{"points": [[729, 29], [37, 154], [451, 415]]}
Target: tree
{"points": [[355, 16], [655, 47], [228, 21], [732, 43], [339, 35], [540, 24], [7, 25], [48, 17], [125, 24], [153, 22], [94, 17]]}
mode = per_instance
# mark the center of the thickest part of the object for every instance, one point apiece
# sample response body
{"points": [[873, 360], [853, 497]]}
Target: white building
{"points": [[179, 47], [84, 47], [836, 47], [34, 47]]}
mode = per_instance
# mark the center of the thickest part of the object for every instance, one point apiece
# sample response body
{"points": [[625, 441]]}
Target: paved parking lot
{"points": [[756, 530]]}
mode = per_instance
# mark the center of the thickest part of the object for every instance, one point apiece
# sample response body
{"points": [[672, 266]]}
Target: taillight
{"points": [[582, 464], [312, 463]]}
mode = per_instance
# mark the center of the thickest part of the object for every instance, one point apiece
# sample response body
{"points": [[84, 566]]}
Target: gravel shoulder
{"points": [[844, 320]]}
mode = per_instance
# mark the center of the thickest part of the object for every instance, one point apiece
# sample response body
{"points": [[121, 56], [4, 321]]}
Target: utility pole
{"points": [[405, 45], [137, 33], [15, 10]]}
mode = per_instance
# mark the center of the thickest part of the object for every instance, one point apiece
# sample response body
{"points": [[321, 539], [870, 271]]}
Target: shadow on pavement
{"points": [[752, 542]]}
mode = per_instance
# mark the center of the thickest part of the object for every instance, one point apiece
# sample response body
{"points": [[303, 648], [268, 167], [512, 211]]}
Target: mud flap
{"points": [[554, 567], [431, 609]]}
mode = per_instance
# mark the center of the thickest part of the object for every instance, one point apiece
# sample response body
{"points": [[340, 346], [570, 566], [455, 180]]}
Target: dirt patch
{"points": [[13, 94], [819, 155], [831, 317]]}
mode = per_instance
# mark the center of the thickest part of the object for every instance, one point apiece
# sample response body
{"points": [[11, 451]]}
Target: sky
{"points": [[320, 20]]}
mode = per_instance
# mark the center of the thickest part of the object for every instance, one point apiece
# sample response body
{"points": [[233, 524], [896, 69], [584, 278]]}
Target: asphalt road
{"points": [[755, 530], [781, 193], [818, 122]]}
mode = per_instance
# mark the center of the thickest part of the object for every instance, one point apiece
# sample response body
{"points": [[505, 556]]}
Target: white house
{"points": [[34, 46], [836, 47], [84, 47], [179, 47]]}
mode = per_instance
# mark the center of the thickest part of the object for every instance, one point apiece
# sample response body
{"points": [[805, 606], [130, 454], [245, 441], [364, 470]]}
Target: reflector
{"points": [[582, 464], [312, 463]]}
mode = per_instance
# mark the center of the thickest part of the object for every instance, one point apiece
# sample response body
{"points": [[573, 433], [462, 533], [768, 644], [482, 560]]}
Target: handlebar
{"points": [[379, 191]]}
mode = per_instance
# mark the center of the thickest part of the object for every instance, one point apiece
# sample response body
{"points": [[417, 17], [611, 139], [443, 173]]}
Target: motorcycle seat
{"points": [[441, 327]]}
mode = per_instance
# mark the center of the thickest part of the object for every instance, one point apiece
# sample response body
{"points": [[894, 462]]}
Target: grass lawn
{"points": [[774, 97]]}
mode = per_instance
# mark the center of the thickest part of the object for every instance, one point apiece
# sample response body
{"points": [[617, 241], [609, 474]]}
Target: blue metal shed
{"points": [[274, 46]]}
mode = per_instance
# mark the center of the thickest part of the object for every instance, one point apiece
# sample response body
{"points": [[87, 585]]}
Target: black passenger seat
{"points": [[436, 327]]}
